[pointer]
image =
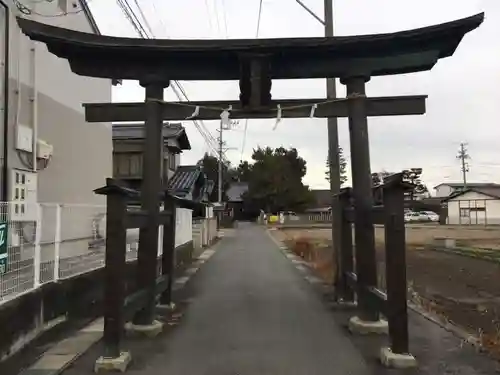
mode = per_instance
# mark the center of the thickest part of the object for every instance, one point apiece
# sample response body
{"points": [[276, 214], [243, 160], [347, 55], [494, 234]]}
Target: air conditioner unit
{"points": [[44, 150]]}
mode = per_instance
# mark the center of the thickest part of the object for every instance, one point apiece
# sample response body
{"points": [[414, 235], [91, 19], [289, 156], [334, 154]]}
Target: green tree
{"points": [[342, 165], [378, 177], [242, 172], [210, 166], [275, 180], [414, 177]]}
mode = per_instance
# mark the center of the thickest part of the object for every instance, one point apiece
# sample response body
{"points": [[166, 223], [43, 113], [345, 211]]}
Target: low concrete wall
{"points": [[27, 316]]}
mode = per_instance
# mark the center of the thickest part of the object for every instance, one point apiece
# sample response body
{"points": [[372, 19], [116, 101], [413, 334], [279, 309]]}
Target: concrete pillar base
{"points": [[343, 305], [152, 330], [118, 364], [398, 361], [356, 325], [166, 308]]}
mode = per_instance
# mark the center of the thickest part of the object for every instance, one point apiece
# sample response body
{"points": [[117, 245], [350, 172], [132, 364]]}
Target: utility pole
{"points": [[333, 136], [463, 156], [219, 183], [333, 147], [222, 150]]}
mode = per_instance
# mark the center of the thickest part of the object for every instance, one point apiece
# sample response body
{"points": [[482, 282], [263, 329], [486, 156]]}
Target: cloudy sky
{"points": [[463, 104]]}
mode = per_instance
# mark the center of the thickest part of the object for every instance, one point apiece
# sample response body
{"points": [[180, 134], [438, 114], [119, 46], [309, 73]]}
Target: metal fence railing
{"points": [[44, 242], [49, 242]]}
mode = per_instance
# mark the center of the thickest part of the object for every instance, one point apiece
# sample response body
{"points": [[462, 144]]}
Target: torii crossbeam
{"points": [[292, 108]]}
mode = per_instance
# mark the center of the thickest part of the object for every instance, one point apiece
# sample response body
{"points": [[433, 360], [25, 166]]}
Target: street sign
{"points": [[3, 248]]}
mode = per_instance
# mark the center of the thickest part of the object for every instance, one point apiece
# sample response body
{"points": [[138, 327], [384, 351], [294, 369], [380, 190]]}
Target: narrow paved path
{"points": [[254, 314]]}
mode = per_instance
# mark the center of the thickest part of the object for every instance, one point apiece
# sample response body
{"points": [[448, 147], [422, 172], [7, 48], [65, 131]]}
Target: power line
{"points": [[133, 18], [258, 19], [141, 31], [175, 85], [144, 17], [308, 10]]}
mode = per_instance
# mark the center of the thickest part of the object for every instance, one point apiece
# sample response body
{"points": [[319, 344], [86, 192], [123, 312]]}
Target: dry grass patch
{"points": [[317, 253]]}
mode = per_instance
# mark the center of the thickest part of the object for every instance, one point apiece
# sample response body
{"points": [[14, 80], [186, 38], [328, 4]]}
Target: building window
{"points": [[465, 212], [135, 164], [171, 162]]}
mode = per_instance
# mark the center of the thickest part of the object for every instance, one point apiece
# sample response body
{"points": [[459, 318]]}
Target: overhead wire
{"points": [[129, 13], [200, 126], [143, 16]]}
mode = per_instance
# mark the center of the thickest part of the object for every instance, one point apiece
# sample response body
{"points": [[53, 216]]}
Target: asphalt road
{"points": [[253, 313]]}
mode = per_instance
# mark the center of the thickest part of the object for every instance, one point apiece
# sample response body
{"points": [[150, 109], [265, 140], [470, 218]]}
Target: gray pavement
{"points": [[254, 314], [249, 311]]}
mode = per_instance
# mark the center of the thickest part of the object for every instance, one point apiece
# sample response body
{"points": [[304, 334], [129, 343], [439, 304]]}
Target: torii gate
{"points": [[255, 63]]}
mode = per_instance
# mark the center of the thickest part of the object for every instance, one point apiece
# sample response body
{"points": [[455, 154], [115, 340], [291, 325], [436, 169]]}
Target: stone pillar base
{"points": [[356, 325], [104, 364], [152, 330], [166, 308], [343, 305], [398, 361]]}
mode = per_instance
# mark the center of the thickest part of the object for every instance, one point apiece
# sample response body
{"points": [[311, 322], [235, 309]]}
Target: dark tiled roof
{"points": [[208, 188], [236, 190], [469, 184], [135, 131], [184, 179], [490, 190]]}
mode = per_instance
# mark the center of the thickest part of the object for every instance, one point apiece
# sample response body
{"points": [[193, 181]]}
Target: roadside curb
{"points": [[300, 264], [305, 270], [65, 352]]}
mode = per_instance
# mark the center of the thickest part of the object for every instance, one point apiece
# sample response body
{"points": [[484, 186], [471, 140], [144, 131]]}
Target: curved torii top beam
{"points": [[133, 58], [254, 62]]}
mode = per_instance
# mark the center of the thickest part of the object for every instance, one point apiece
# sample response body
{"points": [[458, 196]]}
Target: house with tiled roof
{"points": [[190, 182], [128, 141], [446, 189]]}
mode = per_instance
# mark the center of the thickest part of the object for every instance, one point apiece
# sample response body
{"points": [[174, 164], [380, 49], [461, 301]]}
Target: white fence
{"points": [[60, 241]]}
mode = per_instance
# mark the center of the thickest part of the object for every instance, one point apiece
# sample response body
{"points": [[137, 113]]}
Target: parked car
{"points": [[290, 215], [409, 216], [430, 216], [413, 217]]}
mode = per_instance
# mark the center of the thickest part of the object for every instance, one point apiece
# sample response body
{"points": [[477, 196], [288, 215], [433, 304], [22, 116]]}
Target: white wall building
{"points": [[43, 101], [448, 188], [474, 206]]}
